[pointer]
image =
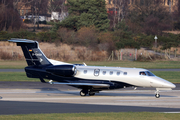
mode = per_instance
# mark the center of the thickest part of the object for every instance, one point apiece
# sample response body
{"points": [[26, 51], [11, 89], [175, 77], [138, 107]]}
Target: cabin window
{"points": [[125, 73], [104, 72], [111, 73], [118, 73], [85, 71], [96, 72]]}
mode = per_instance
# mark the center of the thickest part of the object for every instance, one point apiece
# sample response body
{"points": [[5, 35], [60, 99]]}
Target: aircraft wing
{"points": [[82, 84]]}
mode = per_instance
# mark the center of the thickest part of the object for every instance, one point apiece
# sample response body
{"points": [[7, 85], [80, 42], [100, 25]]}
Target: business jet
{"points": [[90, 79]]}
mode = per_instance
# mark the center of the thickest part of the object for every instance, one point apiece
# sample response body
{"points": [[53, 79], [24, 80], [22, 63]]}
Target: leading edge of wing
{"points": [[82, 84]]}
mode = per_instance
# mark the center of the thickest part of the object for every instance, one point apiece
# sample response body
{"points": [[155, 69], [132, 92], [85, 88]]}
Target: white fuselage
{"points": [[126, 75], [130, 76]]}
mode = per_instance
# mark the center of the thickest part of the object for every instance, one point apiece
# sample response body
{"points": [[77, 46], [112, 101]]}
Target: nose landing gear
{"points": [[157, 95]]}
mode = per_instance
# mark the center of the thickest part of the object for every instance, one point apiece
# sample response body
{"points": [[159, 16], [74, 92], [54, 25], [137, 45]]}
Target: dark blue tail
{"points": [[33, 54]]}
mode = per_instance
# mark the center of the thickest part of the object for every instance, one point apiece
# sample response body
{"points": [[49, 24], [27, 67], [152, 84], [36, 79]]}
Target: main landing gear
{"points": [[157, 95], [84, 92]]}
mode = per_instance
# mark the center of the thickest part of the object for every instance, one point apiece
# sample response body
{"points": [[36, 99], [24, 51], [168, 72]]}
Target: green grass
{"points": [[173, 77], [147, 65], [95, 116], [12, 64], [15, 76]]}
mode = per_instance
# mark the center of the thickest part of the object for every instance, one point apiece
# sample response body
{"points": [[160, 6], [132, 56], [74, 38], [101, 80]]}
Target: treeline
{"points": [[92, 39], [125, 26]]}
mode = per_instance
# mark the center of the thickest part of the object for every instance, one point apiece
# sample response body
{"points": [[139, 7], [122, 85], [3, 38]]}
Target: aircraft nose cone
{"points": [[172, 85], [162, 83], [168, 84]]}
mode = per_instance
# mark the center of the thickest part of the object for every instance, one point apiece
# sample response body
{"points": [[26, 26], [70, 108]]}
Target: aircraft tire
{"points": [[157, 95], [83, 92]]}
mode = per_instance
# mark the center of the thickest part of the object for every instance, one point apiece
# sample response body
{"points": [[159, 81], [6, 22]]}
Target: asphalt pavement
{"points": [[36, 97]]}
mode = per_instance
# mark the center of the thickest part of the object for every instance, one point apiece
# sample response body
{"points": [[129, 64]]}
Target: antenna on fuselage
{"points": [[84, 64]]}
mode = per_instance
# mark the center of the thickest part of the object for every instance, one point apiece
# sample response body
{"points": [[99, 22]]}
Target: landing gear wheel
{"points": [[83, 92], [157, 95], [91, 94]]}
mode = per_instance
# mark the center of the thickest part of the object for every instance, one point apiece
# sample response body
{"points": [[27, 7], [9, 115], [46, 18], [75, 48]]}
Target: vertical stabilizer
{"points": [[33, 54]]}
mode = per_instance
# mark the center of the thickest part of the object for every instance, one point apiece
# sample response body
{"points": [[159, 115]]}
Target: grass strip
{"points": [[12, 64], [172, 76], [96, 116], [136, 64], [15, 76]]}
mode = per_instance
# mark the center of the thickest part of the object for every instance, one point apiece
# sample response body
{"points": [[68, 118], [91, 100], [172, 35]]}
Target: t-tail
{"points": [[33, 54]]}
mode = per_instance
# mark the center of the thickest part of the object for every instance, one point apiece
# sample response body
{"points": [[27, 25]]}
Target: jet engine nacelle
{"points": [[62, 70]]}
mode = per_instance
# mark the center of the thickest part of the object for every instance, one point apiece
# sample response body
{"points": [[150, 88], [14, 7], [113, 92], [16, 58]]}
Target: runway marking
{"points": [[126, 91], [144, 100], [171, 112]]}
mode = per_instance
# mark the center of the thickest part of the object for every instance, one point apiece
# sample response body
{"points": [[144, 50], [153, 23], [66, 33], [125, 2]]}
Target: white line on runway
{"points": [[171, 112], [143, 100]]}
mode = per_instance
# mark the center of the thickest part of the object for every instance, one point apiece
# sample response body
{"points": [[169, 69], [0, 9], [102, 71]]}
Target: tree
{"points": [[37, 7], [120, 8], [9, 17], [176, 15], [146, 12], [56, 6], [85, 13], [40, 7], [18, 4]]}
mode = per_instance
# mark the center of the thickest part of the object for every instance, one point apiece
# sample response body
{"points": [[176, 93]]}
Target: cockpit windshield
{"points": [[149, 73], [146, 73]]}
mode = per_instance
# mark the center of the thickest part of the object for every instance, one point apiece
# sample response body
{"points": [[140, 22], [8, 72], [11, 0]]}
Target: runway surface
{"points": [[36, 97]]}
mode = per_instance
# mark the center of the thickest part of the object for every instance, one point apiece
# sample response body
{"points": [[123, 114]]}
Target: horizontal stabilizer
{"points": [[82, 84], [16, 40]]}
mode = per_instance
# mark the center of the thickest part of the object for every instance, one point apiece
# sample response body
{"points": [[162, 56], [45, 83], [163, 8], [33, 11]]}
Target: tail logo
{"points": [[41, 59]]}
